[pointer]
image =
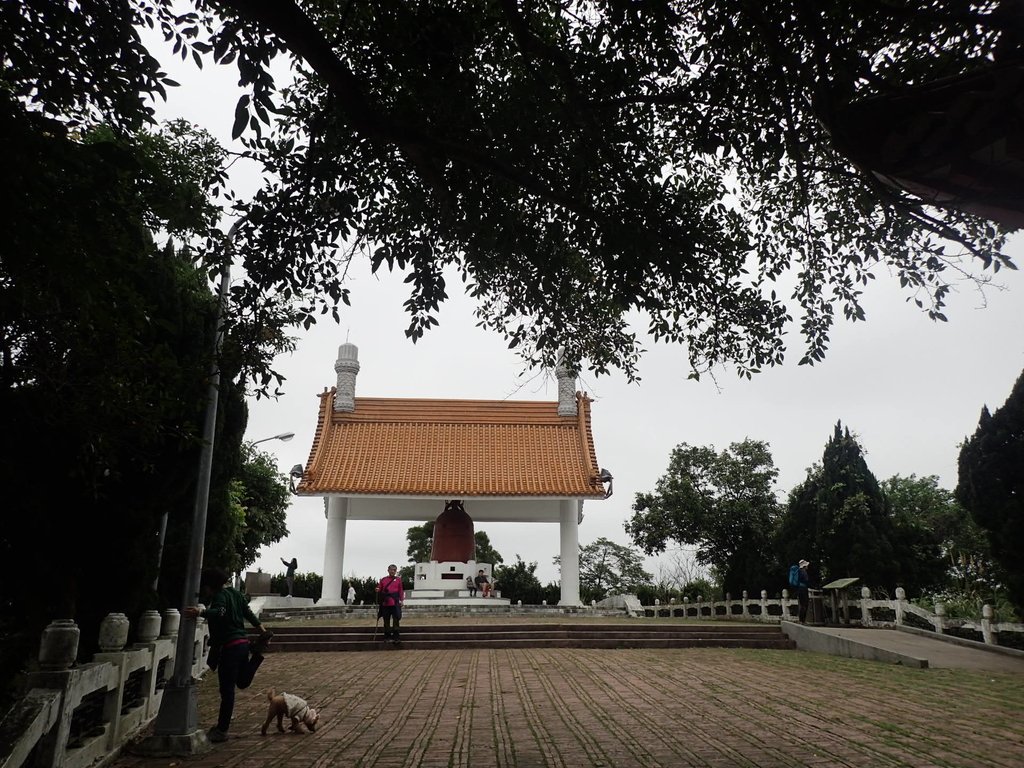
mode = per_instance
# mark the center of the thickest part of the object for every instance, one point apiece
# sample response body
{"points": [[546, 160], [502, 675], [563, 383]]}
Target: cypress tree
{"points": [[991, 485], [838, 518]]}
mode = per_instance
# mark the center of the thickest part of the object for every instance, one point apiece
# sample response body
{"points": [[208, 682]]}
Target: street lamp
{"points": [[284, 437], [176, 730]]}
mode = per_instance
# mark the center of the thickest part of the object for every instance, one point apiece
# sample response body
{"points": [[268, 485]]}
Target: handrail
{"points": [[865, 611]]}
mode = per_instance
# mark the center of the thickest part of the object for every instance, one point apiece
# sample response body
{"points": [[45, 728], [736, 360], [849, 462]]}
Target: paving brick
{"points": [[521, 708]]}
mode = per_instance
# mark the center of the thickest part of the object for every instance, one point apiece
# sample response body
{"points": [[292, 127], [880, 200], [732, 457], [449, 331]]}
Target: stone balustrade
{"points": [[77, 714], [864, 611]]}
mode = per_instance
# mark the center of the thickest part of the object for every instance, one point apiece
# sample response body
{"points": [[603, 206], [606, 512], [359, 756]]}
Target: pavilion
{"points": [[403, 458]]}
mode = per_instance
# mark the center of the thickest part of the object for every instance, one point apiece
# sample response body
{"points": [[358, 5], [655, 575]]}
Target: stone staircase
{"points": [[290, 638]]}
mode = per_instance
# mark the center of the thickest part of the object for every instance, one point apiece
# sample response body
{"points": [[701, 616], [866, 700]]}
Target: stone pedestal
{"points": [[257, 583], [447, 576], [172, 619], [149, 626], [113, 632], [58, 647]]}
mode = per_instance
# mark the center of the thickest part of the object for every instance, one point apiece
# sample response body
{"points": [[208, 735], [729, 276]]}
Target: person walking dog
{"points": [[230, 655]]}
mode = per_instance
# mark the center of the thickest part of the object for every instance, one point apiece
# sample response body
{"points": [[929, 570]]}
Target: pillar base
{"points": [[172, 745], [176, 731]]}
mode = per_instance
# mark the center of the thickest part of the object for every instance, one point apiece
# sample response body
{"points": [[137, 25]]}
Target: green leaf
{"points": [[241, 116]]}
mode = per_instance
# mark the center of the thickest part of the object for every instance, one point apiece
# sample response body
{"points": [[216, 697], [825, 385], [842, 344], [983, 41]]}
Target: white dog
{"points": [[287, 704]]}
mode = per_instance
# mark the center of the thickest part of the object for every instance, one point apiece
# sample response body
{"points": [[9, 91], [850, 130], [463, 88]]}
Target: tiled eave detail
{"points": [[452, 449]]}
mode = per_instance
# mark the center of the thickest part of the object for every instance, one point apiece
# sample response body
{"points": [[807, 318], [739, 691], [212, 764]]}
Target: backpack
{"points": [[794, 575]]}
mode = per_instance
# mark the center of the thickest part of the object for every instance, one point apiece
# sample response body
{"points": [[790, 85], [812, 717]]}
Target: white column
{"points": [[569, 530], [334, 552]]}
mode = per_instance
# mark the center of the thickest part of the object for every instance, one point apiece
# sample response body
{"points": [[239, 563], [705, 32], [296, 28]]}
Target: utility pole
{"points": [[176, 730]]}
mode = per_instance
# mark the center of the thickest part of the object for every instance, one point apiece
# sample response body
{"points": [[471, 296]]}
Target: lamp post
{"points": [[176, 730], [284, 437]]}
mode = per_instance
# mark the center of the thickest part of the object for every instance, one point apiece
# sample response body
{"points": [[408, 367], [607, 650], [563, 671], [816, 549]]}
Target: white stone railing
{"points": [[75, 715], [864, 611]]}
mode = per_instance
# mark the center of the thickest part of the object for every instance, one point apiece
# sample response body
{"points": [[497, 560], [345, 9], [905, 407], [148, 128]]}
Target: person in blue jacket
{"points": [[803, 590]]}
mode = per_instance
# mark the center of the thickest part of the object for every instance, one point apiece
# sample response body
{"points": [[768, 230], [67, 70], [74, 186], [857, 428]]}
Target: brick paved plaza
{"points": [[566, 708]]}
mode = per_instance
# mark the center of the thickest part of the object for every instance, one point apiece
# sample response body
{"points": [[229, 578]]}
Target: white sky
{"points": [[909, 388]]}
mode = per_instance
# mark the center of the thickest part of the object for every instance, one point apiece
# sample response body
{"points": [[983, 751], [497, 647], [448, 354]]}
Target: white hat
{"points": [[804, 563]]}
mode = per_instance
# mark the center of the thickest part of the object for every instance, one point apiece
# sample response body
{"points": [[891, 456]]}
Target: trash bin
{"points": [[815, 606]]}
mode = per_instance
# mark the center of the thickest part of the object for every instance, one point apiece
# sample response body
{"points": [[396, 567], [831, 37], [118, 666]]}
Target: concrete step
{"points": [[296, 638], [461, 607]]}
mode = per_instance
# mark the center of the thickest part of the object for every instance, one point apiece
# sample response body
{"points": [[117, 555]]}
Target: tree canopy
{"points": [[721, 503], [104, 351], [577, 164], [938, 544], [609, 568], [262, 496], [991, 485], [519, 581]]}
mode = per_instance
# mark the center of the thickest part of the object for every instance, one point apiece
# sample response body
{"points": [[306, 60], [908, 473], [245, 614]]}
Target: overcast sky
{"points": [[909, 388]]}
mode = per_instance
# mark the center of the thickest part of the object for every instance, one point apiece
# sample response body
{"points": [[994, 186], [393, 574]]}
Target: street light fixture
{"points": [[283, 437]]}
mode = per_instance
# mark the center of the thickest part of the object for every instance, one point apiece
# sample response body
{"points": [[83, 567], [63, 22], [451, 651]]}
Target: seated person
{"points": [[482, 583], [471, 586]]}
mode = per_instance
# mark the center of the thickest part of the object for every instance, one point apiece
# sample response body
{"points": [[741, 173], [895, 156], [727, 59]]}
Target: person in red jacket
{"points": [[390, 596]]}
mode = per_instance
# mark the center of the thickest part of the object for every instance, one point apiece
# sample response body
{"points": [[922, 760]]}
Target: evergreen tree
{"points": [[991, 485], [105, 352], [838, 518]]}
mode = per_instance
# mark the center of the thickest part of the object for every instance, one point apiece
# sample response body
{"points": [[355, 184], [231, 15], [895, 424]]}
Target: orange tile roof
{"points": [[452, 449]]}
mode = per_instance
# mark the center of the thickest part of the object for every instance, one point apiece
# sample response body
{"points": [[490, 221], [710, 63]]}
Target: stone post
{"points": [[900, 605], [58, 647], [113, 633], [172, 619], [764, 605], [865, 607], [986, 625], [149, 626], [940, 617]]}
